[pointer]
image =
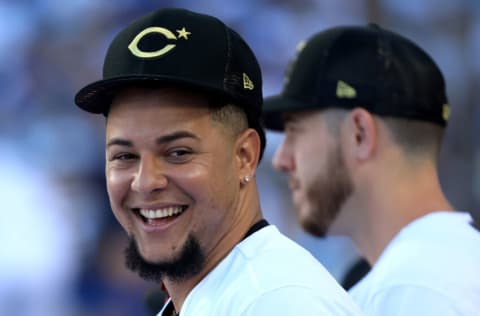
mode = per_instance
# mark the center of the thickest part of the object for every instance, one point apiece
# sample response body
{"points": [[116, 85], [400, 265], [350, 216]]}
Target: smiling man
{"points": [[182, 95]]}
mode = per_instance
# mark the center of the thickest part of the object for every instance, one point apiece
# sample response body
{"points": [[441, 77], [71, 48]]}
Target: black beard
{"points": [[189, 262]]}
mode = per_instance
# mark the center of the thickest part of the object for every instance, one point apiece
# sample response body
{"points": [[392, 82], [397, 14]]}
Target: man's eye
{"points": [[289, 127], [123, 156], [179, 155]]}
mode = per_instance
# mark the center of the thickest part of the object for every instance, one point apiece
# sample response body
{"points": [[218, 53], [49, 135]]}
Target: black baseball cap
{"points": [[178, 47], [361, 66]]}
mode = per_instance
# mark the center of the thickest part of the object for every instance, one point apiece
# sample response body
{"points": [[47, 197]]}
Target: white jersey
{"points": [[268, 274], [431, 267]]}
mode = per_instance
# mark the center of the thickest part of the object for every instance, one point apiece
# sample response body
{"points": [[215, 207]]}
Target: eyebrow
{"points": [[174, 136], [119, 142], [294, 117], [160, 141], [288, 118]]}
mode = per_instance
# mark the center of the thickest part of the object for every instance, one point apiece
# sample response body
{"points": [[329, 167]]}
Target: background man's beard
{"points": [[188, 263], [327, 195]]}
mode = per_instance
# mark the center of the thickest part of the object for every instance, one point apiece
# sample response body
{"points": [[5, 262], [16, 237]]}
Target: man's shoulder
{"points": [[270, 253], [429, 244], [269, 243], [263, 265], [430, 258]]}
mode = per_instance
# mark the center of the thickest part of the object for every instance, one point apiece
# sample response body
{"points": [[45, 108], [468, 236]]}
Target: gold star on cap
{"points": [[183, 33]]}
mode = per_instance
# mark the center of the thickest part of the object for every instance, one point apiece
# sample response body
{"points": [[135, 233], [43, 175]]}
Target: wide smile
{"points": [[159, 216]]}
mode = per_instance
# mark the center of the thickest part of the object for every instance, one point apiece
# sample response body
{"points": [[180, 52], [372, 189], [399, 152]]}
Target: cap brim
{"points": [[98, 96], [275, 106]]}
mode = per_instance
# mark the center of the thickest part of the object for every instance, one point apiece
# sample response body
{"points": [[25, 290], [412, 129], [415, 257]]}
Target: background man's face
{"points": [[310, 155]]}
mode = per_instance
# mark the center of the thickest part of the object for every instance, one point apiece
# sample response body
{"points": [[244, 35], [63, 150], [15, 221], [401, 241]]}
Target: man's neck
{"points": [[390, 206], [179, 289]]}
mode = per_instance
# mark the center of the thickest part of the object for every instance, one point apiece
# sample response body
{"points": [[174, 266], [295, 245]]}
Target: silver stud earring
{"points": [[247, 178]]}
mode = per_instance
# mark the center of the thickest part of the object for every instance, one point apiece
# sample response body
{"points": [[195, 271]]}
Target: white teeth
{"points": [[161, 213]]}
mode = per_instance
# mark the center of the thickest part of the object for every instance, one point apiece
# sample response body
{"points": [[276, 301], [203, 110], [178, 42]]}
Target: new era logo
{"points": [[446, 112], [247, 83], [345, 91]]}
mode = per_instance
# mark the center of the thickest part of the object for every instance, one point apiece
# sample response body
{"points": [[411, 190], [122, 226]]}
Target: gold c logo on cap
{"points": [[247, 83], [345, 91], [133, 46]]}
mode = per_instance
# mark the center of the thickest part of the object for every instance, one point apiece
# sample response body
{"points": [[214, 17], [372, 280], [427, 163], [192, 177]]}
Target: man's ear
{"points": [[363, 133], [247, 153]]}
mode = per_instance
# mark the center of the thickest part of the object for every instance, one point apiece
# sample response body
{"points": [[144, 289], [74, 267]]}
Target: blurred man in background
{"points": [[364, 112]]}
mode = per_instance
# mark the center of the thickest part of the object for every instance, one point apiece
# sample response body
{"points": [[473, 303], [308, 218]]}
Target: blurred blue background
{"points": [[61, 250]]}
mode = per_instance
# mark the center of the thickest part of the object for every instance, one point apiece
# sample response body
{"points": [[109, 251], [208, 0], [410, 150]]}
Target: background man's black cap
{"points": [[361, 66], [183, 48]]}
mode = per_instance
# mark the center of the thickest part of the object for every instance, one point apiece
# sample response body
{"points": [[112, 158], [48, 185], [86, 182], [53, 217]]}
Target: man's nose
{"points": [[150, 176], [282, 160]]}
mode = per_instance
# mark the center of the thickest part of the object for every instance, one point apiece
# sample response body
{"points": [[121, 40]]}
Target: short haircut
{"points": [[334, 118], [237, 119], [230, 115], [417, 138]]}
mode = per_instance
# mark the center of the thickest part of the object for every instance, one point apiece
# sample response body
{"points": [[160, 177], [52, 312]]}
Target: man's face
{"points": [[170, 173], [310, 154]]}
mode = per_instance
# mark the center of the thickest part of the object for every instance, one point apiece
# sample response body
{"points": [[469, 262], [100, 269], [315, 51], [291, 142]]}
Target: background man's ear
{"points": [[364, 133]]}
